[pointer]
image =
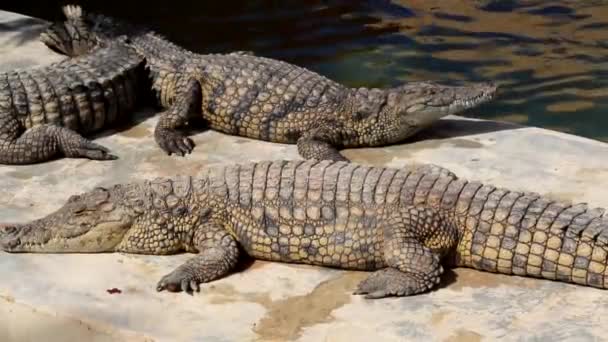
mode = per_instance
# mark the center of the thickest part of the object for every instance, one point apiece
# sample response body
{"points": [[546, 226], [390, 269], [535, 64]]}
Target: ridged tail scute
{"points": [[83, 30], [525, 234], [71, 37]]}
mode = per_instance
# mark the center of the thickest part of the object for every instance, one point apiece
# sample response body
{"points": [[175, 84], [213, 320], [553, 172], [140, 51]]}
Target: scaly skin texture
{"points": [[44, 110], [266, 99], [405, 225]]}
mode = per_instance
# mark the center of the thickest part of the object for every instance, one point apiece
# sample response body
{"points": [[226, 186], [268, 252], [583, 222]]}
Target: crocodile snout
{"points": [[7, 229], [9, 238], [9, 243]]}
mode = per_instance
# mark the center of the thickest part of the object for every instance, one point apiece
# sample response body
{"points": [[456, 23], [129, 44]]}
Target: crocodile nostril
{"points": [[9, 243], [7, 229], [13, 243]]}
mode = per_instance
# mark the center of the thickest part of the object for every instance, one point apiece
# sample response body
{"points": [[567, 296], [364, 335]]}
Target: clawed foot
{"points": [[91, 150], [180, 279], [73, 145], [173, 142], [391, 282]]}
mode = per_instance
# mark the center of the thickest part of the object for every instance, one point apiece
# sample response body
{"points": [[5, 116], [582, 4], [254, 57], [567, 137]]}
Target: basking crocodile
{"points": [[405, 224], [44, 110], [266, 99]]}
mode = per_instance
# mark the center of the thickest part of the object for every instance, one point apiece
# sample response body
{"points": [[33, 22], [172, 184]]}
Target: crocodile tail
{"points": [[530, 235], [71, 37]]}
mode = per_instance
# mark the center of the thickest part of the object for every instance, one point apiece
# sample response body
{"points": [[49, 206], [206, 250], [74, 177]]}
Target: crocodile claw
{"points": [[173, 142], [178, 280], [75, 146], [95, 152]]}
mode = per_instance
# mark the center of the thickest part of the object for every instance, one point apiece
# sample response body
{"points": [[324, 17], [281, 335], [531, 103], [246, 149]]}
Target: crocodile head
{"points": [[419, 104], [95, 221], [148, 217]]}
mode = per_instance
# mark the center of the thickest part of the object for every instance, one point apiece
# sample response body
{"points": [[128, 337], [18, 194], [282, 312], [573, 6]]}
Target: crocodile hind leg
{"points": [[415, 239], [187, 101], [44, 142], [320, 143], [218, 255]]}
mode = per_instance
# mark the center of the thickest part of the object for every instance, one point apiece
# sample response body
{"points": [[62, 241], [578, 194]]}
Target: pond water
{"points": [[550, 57]]}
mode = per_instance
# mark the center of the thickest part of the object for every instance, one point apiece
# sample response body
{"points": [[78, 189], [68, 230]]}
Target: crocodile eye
{"points": [[79, 208], [106, 207], [100, 195], [73, 198], [180, 211]]}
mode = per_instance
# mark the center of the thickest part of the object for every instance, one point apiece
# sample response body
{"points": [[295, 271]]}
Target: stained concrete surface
{"points": [[65, 297]]}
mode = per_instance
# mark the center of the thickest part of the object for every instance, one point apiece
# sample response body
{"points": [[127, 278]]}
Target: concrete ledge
{"points": [[65, 297]]}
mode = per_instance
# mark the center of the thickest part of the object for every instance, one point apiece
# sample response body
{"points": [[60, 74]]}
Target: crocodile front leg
{"points": [[187, 101], [218, 255], [320, 143], [42, 143], [415, 239]]}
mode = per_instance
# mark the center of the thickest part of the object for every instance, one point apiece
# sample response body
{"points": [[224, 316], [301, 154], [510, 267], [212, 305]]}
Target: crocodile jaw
{"points": [[104, 237], [92, 222], [469, 97], [431, 101]]}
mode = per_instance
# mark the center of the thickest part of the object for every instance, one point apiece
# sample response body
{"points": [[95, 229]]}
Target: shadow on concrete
{"points": [[245, 262], [454, 128], [22, 30], [443, 129], [148, 110], [448, 278], [136, 117]]}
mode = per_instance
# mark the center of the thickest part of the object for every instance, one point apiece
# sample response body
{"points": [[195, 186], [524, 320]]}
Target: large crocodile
{"points": [[44, 110], [405, 224], [266, 99]]}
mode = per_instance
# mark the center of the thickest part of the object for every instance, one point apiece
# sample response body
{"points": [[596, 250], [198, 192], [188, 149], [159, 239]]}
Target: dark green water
{"points": [[550, 57]]}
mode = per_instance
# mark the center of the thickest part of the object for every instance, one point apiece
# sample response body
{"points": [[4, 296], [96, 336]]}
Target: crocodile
{"points": [[261, 98], [403, 225], [46, 110]]}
